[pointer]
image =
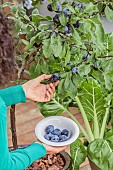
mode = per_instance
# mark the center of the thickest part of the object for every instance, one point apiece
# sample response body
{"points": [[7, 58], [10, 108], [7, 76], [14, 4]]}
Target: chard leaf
{"points": [[100, 151], [93, 102], [55, 107], [78, 154]]}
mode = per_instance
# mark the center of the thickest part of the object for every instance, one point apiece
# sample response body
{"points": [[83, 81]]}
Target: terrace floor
{"points": [[27, 116]]}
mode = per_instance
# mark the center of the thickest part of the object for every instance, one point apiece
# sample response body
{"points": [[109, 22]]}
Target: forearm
{"points": [[20, 158], [13, 95]]}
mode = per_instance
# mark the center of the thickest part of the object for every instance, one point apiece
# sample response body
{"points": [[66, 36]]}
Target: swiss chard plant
{"points": [[74, 45], [95, 106]]}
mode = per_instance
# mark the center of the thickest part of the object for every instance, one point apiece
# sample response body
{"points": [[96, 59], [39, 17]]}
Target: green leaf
{"points": [[73, 19], [68, 56], [9, 4], [96, 20], [36, 3], [25, 42], [86, 26], [35, 12], [107, 65], [77, 80], [78, 154], [63, 53], [108, 82], [26, 18], [60, 87], [72, 89], [109, 13], [37, 18], [52, 108], [66, 83], [76, 36], [71, 9], [46, 48], [14, 9], [49, 18], [89, 8], [110, 41], [93, 102], [63, 19], [35, 70], [100, 151], [32, 41], [108, 133], [99, 33], [55, 45], [43, 35], [28, 46], [43, 27], [84, 69]]}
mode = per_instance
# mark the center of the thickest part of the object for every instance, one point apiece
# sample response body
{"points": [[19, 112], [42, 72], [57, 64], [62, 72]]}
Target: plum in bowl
{"points": [[57, 131]]}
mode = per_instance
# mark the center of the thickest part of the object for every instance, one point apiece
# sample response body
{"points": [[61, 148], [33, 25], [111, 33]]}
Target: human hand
{"points": [[54, 150], [36, 91]]}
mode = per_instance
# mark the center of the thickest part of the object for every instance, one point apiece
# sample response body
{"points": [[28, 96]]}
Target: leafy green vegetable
{"points": [[78, 154], [92, 100], [100, 151], [52, 108]]}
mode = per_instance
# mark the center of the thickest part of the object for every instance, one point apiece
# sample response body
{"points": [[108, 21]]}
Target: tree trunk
{"points": [[13, 127]]}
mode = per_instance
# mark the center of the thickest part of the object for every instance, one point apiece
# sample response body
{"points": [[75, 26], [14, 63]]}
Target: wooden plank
{"points": [[25, 112]]}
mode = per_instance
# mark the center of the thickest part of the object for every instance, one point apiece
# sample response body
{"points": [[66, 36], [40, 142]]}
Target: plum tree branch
{"points": [[110, 56]]}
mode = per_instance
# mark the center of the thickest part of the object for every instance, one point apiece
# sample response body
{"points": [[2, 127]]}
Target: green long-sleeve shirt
{"points": [[20, 158]]}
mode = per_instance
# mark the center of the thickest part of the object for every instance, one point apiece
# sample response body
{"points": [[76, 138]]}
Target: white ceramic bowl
{"points": [[61, 123]]}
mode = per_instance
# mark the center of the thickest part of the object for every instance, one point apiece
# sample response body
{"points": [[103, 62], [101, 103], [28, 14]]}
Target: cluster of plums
{"points": [[67, 30], [59, 9], [67, 13], [56, 135], [55, 77]]}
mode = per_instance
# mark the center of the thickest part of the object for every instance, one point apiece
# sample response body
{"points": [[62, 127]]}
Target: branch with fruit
{"points": [[73, 47]]}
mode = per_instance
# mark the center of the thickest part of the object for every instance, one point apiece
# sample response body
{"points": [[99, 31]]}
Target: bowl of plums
{"points": [[57, 131]]}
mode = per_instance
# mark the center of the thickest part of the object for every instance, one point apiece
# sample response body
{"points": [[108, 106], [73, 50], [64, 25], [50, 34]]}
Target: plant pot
{"points": [[64, 155], [67, 159], [93, 165]]}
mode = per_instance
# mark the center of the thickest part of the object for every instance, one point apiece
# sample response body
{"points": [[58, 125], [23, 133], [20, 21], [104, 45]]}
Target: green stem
{"points": [[89, 131], [104, 123], [74, 119], [96, 126], [81, 128]]}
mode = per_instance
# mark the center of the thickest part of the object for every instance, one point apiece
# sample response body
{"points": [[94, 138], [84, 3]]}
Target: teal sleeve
{"points": [[13, 95], [20, 158]]}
